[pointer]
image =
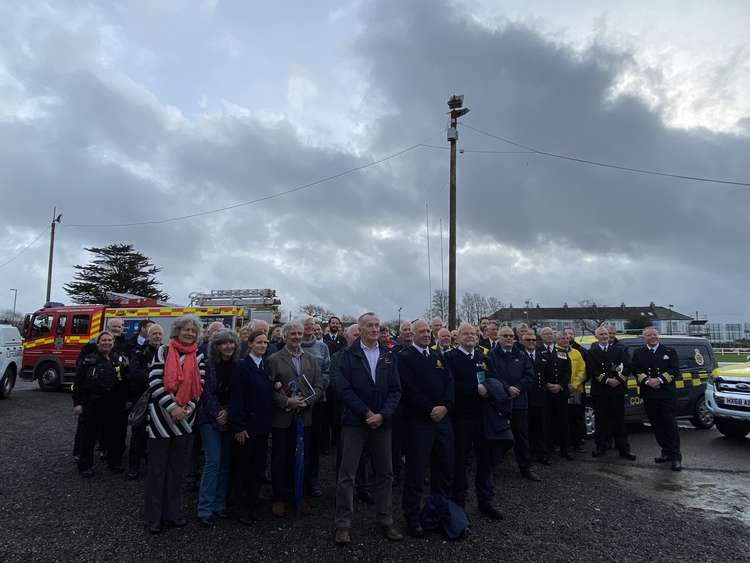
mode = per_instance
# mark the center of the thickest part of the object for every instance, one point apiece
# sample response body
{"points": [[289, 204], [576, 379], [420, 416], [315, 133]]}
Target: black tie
{"points": [[425, 353], [260, 365]]}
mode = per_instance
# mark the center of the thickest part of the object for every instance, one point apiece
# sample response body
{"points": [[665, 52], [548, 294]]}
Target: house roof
{"points": [[593, 312]]}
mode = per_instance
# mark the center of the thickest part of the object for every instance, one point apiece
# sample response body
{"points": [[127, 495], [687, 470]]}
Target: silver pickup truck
{"points": [[11, 356]]}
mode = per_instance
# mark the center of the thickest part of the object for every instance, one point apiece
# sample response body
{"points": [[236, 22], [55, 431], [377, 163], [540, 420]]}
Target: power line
{"points": [[606, 164], [252, 201], [24, 249]]}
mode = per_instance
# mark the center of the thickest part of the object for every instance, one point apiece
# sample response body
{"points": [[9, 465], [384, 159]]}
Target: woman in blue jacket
{"points": [[250, 420]]}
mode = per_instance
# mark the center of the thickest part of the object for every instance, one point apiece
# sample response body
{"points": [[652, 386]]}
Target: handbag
{"points": [[137, 414]]}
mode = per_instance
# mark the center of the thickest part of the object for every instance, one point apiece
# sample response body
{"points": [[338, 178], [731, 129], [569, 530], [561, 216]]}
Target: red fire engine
{"points": [[55, 333]]}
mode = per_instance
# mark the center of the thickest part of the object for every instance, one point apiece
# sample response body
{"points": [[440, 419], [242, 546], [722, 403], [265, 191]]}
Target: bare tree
{"points": [[317, 311], [591, 317]]}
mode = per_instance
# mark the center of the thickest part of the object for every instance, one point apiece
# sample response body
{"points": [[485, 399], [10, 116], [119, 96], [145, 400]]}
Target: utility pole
{"points": [[455, 104], [442, 273], [429, 265], [55, 219]]}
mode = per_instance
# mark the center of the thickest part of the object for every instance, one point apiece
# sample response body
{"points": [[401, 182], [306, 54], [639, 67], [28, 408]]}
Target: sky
{"points": [[138, 112]]}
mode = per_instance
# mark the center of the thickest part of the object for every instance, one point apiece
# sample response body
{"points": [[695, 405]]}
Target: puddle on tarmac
{"points": [[719, 494]]}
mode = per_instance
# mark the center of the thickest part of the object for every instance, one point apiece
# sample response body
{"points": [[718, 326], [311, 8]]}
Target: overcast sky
{"points": [[120, 112]]}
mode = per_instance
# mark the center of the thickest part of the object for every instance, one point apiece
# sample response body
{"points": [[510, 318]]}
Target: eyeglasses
{"points": [[506, 335]]}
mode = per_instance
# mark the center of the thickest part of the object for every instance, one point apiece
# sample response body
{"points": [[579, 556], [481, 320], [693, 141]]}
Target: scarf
{"points": [[183, 381]]}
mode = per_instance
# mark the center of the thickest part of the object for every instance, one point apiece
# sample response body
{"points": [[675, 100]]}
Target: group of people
{"points": [[396, 411]]}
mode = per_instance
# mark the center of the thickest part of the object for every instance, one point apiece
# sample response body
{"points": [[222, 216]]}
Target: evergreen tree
{"points": [[117, 268]]}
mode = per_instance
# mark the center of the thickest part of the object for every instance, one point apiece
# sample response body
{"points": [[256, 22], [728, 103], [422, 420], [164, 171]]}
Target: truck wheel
{"points": [[49, 377], [7, 383], [702, 417], [732, 429]]}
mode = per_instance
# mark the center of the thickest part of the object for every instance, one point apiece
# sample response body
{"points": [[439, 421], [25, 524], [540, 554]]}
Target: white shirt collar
{"points": [[420, 349], [256, 359], [465, 351]]}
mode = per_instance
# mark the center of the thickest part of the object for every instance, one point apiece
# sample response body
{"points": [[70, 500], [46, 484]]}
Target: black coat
{"points": [[497, 412], [465, 370], [251, 398], [601, 365], [425, 383], [514, 369], [663, 365], [536, 391], [140, 359], [334, 344], [558, 371], [359, 393], [98, 377]]}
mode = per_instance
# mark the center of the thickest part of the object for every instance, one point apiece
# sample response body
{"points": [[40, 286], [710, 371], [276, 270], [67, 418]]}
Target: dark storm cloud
{"points": [[106, 149]]}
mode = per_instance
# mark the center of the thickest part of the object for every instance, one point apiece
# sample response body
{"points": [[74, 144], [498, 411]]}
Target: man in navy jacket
{"points": [[428, 397], [514, 368], [369, 388]]}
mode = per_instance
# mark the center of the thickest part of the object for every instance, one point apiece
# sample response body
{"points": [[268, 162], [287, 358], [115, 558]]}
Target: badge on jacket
{"points": [[666, 357], [438, 364]]}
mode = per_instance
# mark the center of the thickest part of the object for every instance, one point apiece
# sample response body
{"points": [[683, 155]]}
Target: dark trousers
{"points": [[104, 419], [167, 461], [354, 441], [250, 472], [333, 406], [468, 434], [428, 444], [519, 425], [538, 431], [661, 415], [577, 423], [557, 420], [609, 409], [137, 449], [283, 447], [397, 444], [316, 443]]}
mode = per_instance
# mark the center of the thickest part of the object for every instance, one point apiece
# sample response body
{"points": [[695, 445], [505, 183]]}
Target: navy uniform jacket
{"points": [[425, 383], [359, 393], [98, 377], [601, 365], [334, 344], [468, 403], [558, 370], [536, 391], [251, 397], [663, 365], [514, 369]]}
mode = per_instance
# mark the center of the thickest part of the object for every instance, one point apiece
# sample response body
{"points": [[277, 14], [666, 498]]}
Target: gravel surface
{"points": [[48, 513]]}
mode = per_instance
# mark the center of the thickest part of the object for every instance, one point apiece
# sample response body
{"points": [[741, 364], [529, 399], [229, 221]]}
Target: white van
{"points": [[11, 358]]}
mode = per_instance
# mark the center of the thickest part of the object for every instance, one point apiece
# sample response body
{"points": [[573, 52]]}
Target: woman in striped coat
{"points": [[176, 383]]}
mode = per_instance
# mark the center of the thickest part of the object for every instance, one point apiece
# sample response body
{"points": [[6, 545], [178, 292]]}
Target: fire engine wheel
{"points": [[7, 383], [49, 377]]}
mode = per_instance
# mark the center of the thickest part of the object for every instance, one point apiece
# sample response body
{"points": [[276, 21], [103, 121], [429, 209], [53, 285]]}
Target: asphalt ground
{"points": [[586, 510]]}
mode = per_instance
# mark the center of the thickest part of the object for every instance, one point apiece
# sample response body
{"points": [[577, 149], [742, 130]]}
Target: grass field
{"points": [[731, 357]]}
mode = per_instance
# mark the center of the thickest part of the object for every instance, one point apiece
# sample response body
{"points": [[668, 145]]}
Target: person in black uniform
{"points": [[404, 339], [656, 367], [427, 397], [140, 360], [537, 413], [514, 368], [468, 366], [556, 379], [608, 370], [99, 395]]}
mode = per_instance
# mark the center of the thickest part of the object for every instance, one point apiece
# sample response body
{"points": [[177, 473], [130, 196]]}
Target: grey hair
{"points": [[363, 316], [601, 328], [464, 325], [217, 339], [255, 322], [185, 320], [299, 323], [350, 329]]}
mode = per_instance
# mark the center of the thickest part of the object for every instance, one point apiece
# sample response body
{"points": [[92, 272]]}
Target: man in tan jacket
{"points": [[298, 385]]}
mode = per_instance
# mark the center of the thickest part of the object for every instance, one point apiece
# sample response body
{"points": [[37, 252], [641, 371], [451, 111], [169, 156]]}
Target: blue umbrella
{"points": [[299, 452]]}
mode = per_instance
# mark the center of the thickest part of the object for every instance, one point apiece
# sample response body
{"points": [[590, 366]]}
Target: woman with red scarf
{"points": [[176, 383]]}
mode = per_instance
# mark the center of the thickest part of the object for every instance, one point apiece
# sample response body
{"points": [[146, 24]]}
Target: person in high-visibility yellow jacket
{"points": [[576, 412]]}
